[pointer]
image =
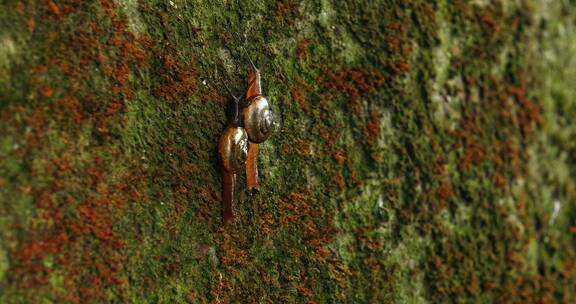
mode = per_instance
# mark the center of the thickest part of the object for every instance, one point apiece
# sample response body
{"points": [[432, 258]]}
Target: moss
{"points": [[4, 264], [411, 162]]}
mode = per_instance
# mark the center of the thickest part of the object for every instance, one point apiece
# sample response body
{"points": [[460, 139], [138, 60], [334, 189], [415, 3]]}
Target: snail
{"points": [[233, 148], [233, 152], [258, 120]]}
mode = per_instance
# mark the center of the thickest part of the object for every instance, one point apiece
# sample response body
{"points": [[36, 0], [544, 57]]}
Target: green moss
{"points": [[423, 152], [4, 264]]}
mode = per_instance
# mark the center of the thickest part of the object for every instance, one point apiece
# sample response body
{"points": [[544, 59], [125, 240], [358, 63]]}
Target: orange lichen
{"points": [[298, 95], [46, 91], [54, 9], [179, 81], [301, 147], [328, 136], [499, 180], [77, 231], [352, 83], [529, 111], [339, 180], [339, 157], [78, 228], [372, 130], [304, 292], [303, 48], [473, 155], [444, 192], [287, 11], [31, 24]]}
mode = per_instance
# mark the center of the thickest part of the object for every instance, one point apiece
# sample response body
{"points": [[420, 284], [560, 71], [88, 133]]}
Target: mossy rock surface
{"points": [[425, 151]]}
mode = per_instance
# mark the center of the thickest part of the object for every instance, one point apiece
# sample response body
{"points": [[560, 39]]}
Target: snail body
{"points": [[258, 120], [233, 154]]}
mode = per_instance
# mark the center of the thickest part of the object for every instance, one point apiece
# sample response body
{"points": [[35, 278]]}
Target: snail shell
{"points": [[233, 148], [258, 119]]}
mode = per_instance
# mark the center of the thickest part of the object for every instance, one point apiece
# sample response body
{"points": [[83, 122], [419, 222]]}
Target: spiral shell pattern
{"points": [[258, 119], [233, 148]]}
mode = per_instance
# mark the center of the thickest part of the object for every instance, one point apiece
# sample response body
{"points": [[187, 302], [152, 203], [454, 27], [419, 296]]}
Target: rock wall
{"points": [[425, 152]]}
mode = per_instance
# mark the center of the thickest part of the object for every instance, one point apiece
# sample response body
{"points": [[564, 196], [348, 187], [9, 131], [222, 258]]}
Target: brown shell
{"points": [[233, 148], [258, 119]]}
